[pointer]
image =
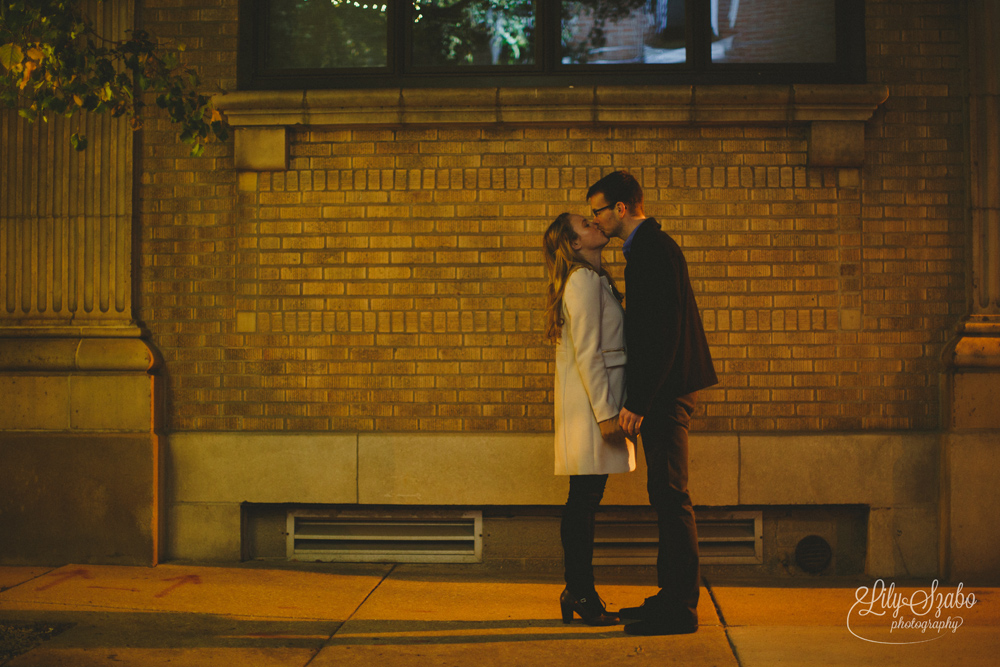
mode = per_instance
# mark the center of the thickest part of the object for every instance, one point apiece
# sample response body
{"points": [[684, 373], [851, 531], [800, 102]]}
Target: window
{"points": [[308, 44]]}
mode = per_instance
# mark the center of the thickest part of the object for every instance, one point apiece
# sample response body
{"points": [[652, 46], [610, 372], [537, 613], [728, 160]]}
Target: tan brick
{"points": [[432, 221]]}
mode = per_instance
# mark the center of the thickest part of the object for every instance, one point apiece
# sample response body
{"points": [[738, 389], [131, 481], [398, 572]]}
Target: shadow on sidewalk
{"points": [[403, 632], [99, 629]]}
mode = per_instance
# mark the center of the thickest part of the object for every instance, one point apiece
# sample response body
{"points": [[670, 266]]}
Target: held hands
{"points": [[629, 421], [612, 432]]}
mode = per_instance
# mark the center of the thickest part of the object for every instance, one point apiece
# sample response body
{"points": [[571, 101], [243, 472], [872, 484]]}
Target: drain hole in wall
{"points": [[813, 554]]}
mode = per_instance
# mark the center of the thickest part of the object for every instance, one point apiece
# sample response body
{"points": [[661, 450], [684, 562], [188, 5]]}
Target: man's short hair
{"points": [[618, 186]]}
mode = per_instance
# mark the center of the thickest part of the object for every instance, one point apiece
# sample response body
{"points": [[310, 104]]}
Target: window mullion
{"points": [[547, 16], [698, 21], [401, 12]]}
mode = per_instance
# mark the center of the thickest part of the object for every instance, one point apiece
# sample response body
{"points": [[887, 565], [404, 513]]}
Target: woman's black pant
{"points": [[577, 531]]}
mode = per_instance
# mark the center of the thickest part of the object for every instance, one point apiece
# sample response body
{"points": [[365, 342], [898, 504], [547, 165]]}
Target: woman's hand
{"points": [[612, 432]]}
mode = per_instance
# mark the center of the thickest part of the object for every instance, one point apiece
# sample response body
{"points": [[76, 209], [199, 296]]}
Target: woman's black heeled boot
{"points": [[590, 608]]}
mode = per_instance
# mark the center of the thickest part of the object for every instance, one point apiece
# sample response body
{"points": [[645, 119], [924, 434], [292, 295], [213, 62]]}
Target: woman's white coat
{"points": [[590, 378]]}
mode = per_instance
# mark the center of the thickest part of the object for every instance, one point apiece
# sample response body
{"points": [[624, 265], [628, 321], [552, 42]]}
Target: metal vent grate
{"points": [[813, 554], [410, 537], [724, 538]]}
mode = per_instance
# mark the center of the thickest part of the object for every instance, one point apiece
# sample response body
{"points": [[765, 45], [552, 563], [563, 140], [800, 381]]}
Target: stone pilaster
{"points": [[78, 450], [66, 216], [970, 547]]}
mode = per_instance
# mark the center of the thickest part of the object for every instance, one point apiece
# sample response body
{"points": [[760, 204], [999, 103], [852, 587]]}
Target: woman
{"points": [[585, 318]]}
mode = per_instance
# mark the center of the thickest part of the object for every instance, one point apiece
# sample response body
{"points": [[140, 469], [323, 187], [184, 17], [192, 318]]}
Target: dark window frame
{"points": [[849, 67]]}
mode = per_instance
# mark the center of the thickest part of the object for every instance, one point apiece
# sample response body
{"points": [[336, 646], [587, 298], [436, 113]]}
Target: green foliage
{"points": [[473, 32], [54, 62], [501, 32], [326, 33]]}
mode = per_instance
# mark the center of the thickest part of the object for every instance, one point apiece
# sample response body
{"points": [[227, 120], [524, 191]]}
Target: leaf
{"points": [[10, 55], [219, 130], [29, 67], [78, 141], [80, 69], [56, 104]]}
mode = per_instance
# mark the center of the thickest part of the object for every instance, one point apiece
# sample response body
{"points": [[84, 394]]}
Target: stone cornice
{"points": [[599, 104], [835, 113]]}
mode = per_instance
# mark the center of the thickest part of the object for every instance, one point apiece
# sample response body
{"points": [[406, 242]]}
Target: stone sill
{"points": [[836, 112], [600, 104]]}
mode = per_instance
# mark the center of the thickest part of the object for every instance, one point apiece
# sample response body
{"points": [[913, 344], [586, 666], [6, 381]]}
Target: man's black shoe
{"points": [[651, 608], [659, 627]]}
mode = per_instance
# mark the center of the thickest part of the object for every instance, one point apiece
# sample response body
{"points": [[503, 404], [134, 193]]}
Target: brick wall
{"points": [[392, 278], [913, 204]]}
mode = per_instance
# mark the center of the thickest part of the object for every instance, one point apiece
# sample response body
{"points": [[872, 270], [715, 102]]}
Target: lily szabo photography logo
{"points": [[912, 616]]}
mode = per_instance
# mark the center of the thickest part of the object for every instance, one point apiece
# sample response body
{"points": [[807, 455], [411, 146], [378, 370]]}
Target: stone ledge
{"points": [[612, 104], [266, 114], [76, 355], [976, 352], [975, 346], [56, 327]]}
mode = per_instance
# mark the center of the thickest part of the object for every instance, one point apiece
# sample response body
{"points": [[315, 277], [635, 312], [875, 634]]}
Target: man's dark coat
{"points": [[668, 355]]}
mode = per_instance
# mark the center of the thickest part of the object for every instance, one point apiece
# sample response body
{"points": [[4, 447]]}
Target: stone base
{"points": [[971, 542], [895, 475], [970, 453], [79, 458], [973, 395], [78, 498]]}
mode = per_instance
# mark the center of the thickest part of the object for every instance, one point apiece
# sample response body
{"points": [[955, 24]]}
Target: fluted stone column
{"points": [[78, 451], [66, 235], [971, 446]]}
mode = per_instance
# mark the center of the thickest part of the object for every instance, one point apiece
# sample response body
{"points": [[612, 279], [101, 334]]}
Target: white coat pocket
{"points": [[614, 362], [614, 358]]}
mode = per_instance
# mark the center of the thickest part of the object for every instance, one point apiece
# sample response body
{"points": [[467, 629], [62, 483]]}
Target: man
{"points": [[668, 362]]}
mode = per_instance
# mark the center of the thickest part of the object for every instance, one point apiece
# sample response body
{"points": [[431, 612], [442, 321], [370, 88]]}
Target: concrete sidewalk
{"points": [[387, 615]]}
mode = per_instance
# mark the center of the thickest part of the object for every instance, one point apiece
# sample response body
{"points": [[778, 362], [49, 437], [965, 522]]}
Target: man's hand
{"points": [[630, 422], [612, 432]]}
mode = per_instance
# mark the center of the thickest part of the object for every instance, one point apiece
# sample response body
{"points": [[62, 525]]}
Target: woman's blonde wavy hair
{"points": [[562, 260]]}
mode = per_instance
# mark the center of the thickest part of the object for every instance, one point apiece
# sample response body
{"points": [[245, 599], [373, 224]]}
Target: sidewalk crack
{"points": [[722, 619], [351, 615], [4, 589]]}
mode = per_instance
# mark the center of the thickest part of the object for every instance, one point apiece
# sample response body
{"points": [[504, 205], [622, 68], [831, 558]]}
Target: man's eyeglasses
{"points": [[595, 211]]}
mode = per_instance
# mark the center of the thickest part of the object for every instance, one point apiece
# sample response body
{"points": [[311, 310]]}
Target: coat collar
{"points": [[627, 247]]}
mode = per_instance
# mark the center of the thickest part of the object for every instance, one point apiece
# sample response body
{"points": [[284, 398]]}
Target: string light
{"points": [[354, 3]]}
